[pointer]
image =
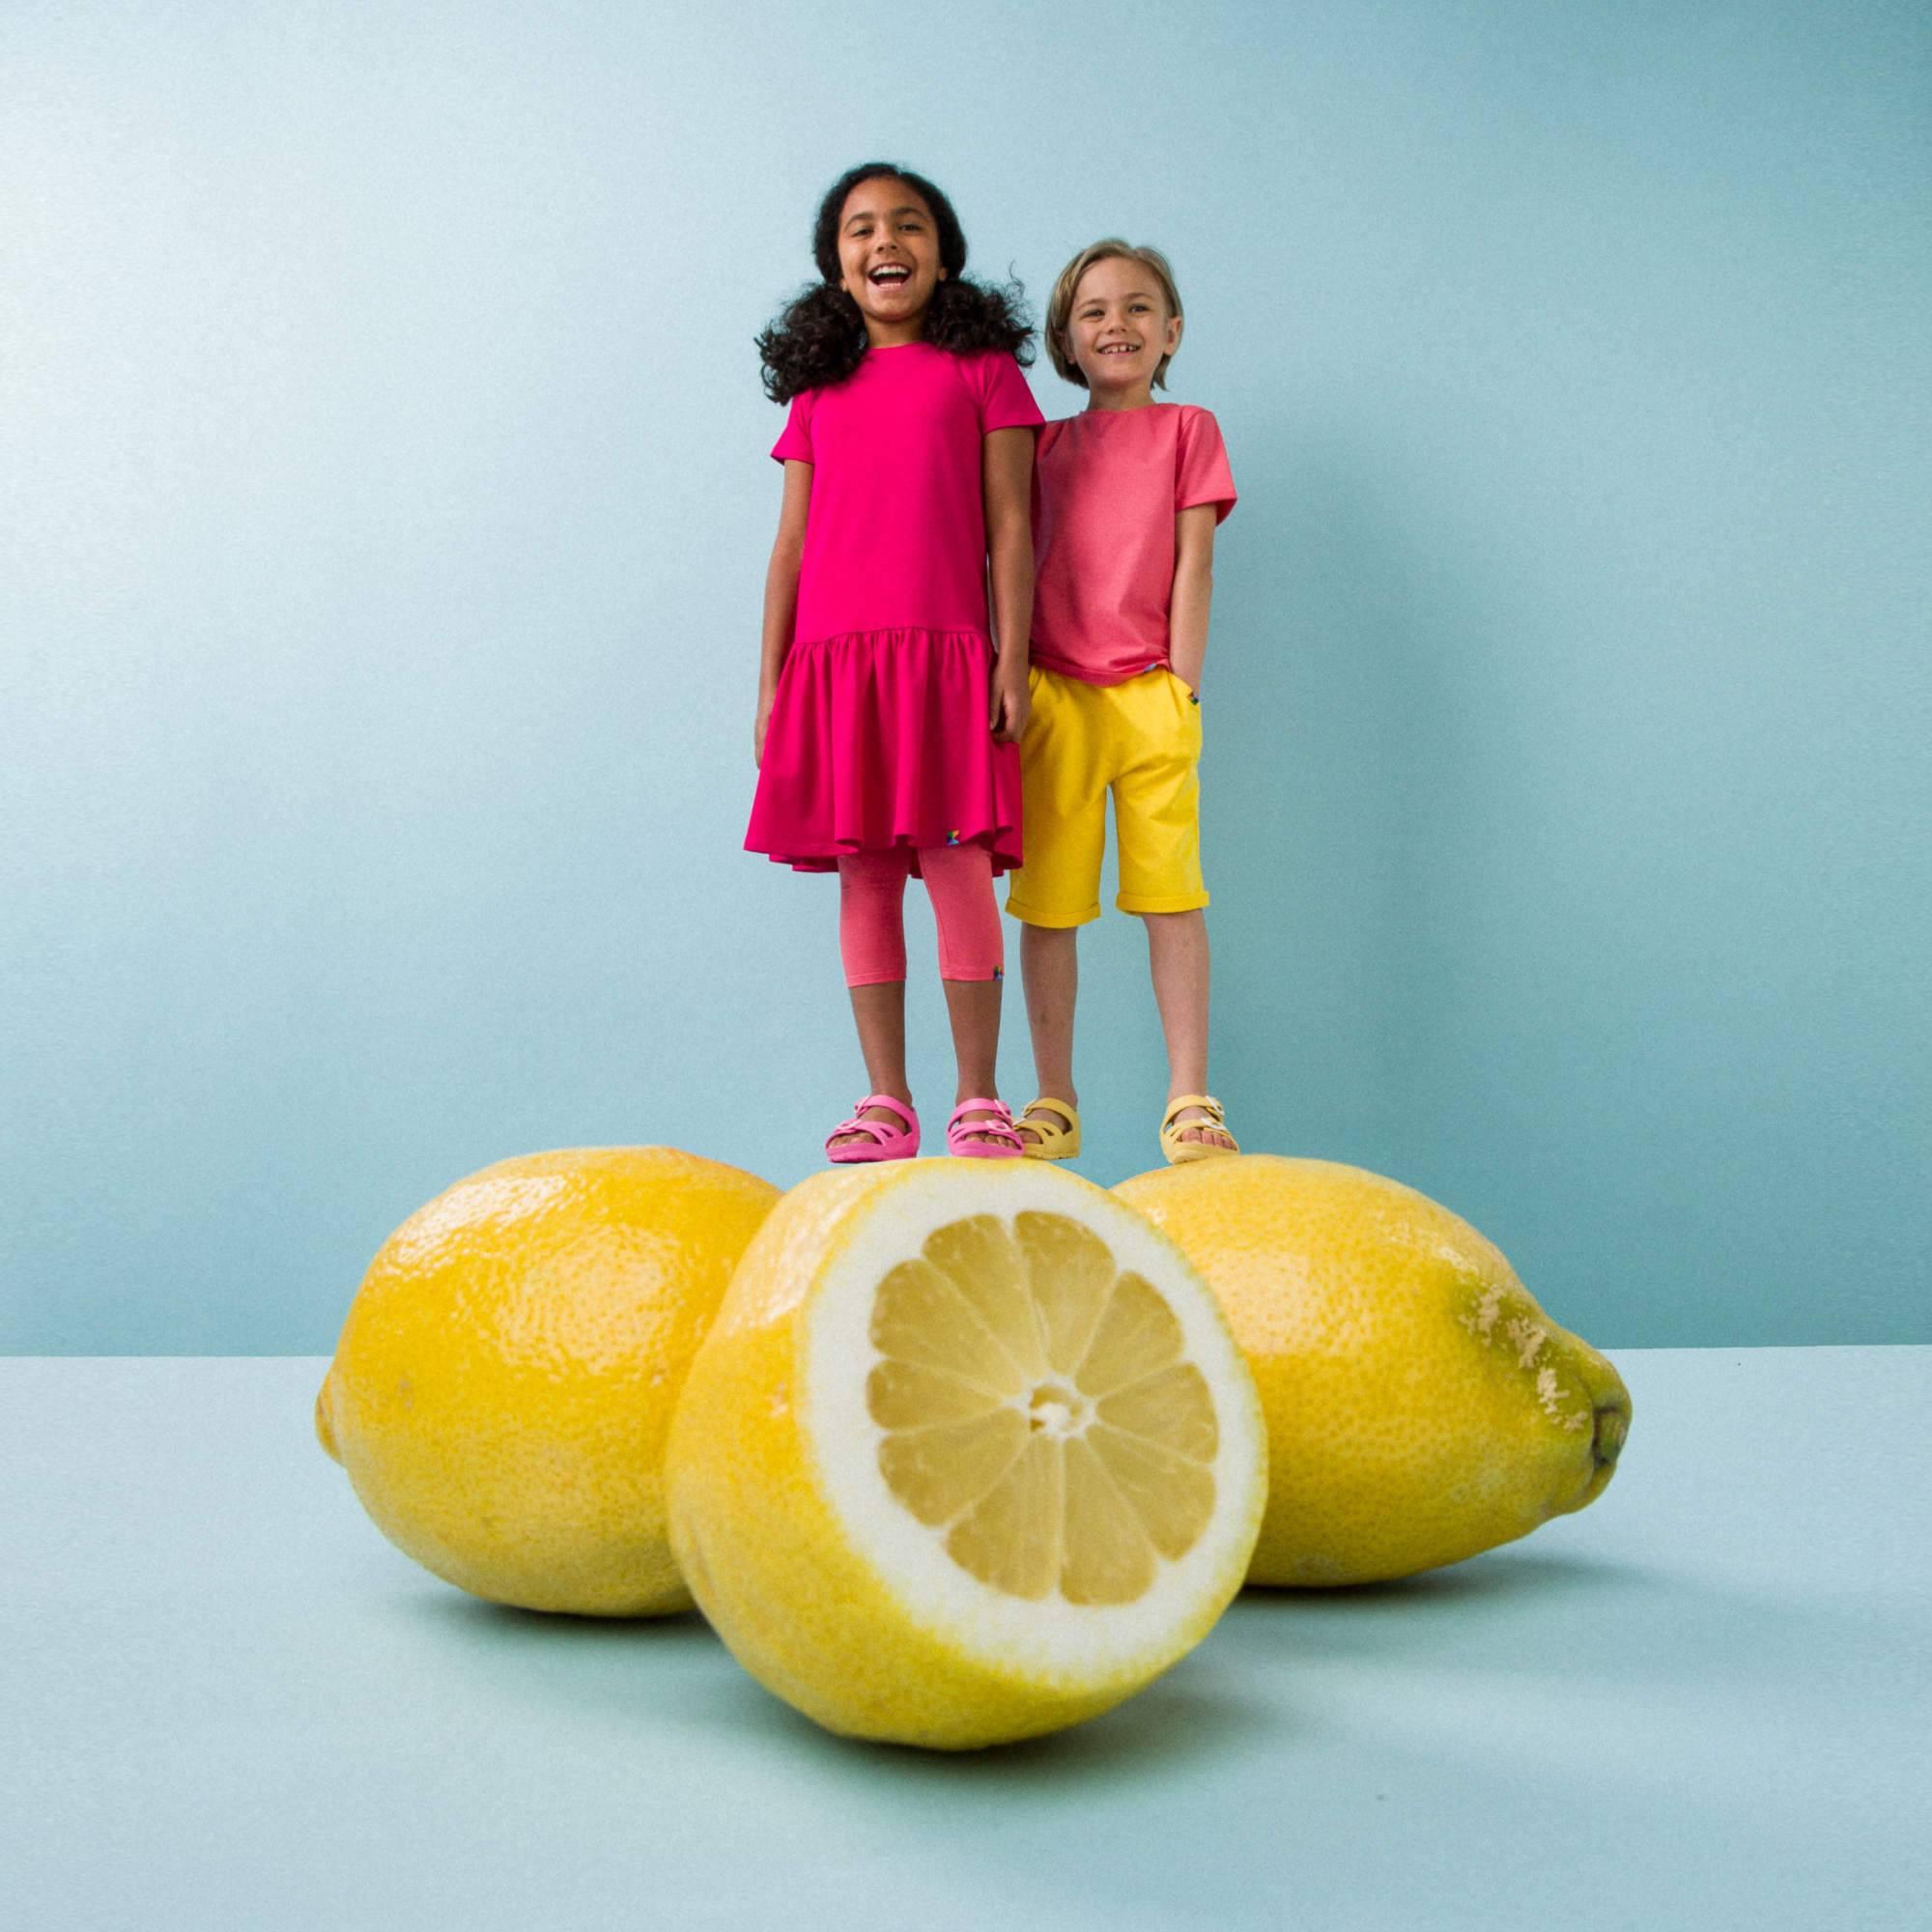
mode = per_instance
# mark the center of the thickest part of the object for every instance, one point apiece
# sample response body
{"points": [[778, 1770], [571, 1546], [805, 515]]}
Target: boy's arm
{"points": [[781, 593], [1009, 492], [1193, 593]]}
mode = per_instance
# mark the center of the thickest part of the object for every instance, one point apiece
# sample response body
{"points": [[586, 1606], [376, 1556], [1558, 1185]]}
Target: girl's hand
{"points": [[763, 718], [1011, 702]]}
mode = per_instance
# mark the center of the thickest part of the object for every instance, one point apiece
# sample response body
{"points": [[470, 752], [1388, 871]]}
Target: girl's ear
{"points": [[1174, 328]]}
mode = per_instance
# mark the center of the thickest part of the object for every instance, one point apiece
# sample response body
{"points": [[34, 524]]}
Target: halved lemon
{"points": [[969, 1454]]}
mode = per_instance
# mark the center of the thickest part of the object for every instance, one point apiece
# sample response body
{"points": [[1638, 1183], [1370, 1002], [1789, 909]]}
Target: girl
{"points": [[1128, 495], [889, 709]]}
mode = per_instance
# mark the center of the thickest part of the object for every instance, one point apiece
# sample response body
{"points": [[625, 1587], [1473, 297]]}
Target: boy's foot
{"points": [[1194, 1128], [1196, 1123], [1049, 1129]]}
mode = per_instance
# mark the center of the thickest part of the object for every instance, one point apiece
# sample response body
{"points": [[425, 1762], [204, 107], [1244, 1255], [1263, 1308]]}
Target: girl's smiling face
{"points": [[1118, 332], [889, 257]]}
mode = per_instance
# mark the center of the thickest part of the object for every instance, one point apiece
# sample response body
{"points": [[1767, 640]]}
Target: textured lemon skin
{"points": [[503, 1385], [773, 1567], [1420, 1406]]}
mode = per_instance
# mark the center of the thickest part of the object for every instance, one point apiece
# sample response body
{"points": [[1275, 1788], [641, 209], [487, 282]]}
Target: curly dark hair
{"points": [[820, 336]]}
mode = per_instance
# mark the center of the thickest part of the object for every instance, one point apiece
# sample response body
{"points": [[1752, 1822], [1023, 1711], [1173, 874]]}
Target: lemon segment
{"points": [[1001, 1449], [969, 1455]]}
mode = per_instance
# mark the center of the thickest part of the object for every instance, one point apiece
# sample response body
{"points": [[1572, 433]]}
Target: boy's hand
{"points": [[1011, 702]]}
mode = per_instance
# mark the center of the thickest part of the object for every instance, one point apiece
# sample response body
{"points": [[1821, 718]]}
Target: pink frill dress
{"points": [[878, 735]]}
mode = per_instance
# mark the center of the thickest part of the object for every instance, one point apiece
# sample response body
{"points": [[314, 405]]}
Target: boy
{"points": [[1126, 498]]}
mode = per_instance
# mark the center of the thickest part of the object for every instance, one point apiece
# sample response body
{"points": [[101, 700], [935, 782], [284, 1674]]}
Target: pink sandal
{"points": [[885, 1143], [1004, 1144]]}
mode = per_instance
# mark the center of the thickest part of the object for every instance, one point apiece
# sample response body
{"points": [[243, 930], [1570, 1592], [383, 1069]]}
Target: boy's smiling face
{"points": [[1118, 332], [889, 257]]}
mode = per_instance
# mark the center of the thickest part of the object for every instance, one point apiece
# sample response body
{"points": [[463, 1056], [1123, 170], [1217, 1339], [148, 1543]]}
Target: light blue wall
{"points": [[384, 507]]}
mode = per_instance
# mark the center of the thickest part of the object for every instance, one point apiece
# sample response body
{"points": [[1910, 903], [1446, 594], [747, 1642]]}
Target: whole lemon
{"points": [[505, 1384], [1420, 1406]]}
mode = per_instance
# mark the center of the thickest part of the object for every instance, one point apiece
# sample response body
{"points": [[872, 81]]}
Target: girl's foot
{"points": [[1194, 1128], [983, 1129], [882, 1127]]}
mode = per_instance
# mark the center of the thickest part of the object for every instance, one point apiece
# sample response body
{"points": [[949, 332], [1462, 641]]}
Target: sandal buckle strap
{"points": [[888, 1101], [1207, 1104], [999, 1129]]}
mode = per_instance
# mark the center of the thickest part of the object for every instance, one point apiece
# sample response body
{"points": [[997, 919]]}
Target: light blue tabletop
{"points": [[227, 1703]]}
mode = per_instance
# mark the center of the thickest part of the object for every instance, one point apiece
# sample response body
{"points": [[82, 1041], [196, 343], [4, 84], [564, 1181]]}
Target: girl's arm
{"points": [[782, 594], [1193, 593], [1008, 484]]}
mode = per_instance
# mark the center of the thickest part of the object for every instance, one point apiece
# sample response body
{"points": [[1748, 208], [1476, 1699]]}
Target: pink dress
{"points": [[878, 735]]}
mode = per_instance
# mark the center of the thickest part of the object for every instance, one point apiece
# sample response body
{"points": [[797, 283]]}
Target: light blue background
{"points": [[384, 511]]}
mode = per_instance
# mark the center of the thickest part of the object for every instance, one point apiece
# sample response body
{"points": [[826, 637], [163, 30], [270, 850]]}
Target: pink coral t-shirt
{"points": [[896, 538], [1107, 485]]}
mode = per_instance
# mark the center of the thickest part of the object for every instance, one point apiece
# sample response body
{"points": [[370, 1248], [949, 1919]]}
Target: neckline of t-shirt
{"points": [[1095, 416]]}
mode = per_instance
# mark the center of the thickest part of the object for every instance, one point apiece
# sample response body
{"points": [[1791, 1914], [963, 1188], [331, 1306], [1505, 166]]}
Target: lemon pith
{"points": [[966, 1456]]}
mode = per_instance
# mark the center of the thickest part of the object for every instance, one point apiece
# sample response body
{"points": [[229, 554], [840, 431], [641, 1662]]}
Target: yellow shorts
{"points": [[1139, 739]]}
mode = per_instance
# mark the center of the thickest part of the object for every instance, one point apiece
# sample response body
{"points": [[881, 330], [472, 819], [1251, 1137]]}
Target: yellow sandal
{"points": [[1055, 1142], [1177, 1150]]}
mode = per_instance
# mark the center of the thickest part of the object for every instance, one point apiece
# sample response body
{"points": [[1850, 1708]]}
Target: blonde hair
{"points": [[1060, 309]]}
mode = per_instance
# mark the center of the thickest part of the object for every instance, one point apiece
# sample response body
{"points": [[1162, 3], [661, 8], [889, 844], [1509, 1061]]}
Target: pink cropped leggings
{"points": [[871, 913]]}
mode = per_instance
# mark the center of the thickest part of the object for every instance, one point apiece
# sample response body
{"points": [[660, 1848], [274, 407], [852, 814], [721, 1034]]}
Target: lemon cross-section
{"points": [[968, 1456], [1036, 1409]]}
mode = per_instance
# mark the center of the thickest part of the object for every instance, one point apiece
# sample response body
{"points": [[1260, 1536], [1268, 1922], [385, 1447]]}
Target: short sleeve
{"points": [[794, 444], [1005, 402], [1201, 466]]}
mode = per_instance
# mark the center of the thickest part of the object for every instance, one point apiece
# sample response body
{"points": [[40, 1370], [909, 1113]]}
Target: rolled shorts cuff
{"points": [[1053, 920], [1186, 902]]}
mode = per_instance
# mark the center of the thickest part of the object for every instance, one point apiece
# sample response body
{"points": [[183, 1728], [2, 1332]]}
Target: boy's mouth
{"points": [[1121, 349]]}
